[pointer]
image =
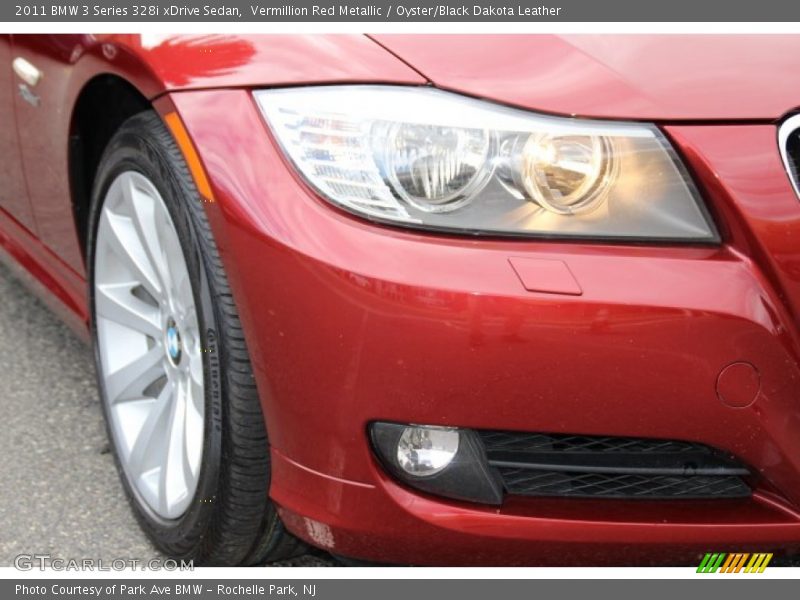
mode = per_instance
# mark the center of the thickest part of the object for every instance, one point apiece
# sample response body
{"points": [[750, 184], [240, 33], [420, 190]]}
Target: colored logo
{"points": [[173, 343], [741, 562]]}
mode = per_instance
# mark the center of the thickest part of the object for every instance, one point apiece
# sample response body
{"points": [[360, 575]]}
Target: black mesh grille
{"points": [[533, 442], [535, 464], [530, 482]]}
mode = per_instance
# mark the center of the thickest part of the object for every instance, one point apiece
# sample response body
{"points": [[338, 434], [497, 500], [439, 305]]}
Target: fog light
{"points": [[425, 451], [445, 461]]}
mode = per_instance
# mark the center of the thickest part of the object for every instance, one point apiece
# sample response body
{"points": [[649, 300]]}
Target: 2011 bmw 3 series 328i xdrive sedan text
{"points": [[425, 299]]}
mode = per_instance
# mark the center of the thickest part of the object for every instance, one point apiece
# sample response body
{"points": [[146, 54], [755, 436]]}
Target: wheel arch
{"points": [[104, 103]]}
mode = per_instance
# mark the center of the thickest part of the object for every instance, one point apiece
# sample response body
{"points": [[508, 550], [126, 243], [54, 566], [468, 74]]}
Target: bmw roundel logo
{"points": [[173, 342]]}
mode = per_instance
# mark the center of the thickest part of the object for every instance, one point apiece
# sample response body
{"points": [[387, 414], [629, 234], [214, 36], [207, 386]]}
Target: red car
{"points": [[445, 300]]}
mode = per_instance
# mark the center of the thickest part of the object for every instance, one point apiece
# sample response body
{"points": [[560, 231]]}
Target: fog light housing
{"points": [[444, 461]]}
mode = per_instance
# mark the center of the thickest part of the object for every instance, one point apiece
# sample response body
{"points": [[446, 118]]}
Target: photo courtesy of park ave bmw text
{"points": [[375, 285]]}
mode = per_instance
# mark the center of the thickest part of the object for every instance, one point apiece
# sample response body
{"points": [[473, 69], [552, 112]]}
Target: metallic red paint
{"points": [[654, 77], [387, 523], [349, 322], [352, 322], [14, 197], [36, 193]]}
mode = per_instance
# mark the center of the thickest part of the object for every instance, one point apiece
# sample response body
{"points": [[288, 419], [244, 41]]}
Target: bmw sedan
{"points": [[432, 300]]}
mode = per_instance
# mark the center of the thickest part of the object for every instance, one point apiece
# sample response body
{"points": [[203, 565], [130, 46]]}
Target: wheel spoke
{"points": [[180, 284], [183, 293], [128, 248], [116, 303], [195, 408], [196, 387], [175, 475], [145, 219], [196, 404], [189, 323], [130, 381], [149, 442]]}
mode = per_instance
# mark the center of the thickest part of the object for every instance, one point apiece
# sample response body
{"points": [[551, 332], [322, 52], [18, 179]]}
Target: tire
{"points": [[221, 514]]}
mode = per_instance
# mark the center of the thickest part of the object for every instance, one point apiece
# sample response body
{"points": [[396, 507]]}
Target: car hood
{"points": [[654, 77]]}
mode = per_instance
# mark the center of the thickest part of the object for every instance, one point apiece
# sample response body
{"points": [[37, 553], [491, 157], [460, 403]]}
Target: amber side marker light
{"points": [[187, 148]]}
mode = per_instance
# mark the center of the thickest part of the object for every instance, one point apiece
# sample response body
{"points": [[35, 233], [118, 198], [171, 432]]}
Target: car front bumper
{"points": [[349, 322]]}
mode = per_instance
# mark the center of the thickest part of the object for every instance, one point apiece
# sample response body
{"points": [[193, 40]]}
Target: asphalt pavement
{"points": [[59, 491]]}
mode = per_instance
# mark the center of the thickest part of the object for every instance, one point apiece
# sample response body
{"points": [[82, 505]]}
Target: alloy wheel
{"points": [[149, 344]]}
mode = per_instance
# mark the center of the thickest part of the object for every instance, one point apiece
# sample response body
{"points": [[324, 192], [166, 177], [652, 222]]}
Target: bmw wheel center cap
{"points": [[173, 342]]}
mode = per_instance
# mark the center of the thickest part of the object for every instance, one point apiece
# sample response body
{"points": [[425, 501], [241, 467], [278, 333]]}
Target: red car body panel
{"points": [[155, 65], [15, 195], [350, 322], [654, 77], [244, 61]]}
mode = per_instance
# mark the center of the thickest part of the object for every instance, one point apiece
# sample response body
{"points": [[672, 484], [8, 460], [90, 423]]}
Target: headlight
{"points": [[425, 158]]}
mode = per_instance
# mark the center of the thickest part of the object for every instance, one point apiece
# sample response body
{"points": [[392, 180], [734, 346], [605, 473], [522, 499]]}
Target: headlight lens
{"points": [[436, 168], [566, 174], [426, 158]]}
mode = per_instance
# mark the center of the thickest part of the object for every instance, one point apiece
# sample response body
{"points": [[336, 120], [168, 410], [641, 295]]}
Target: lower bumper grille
{"points": [[530, 482], [612, 467]]}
